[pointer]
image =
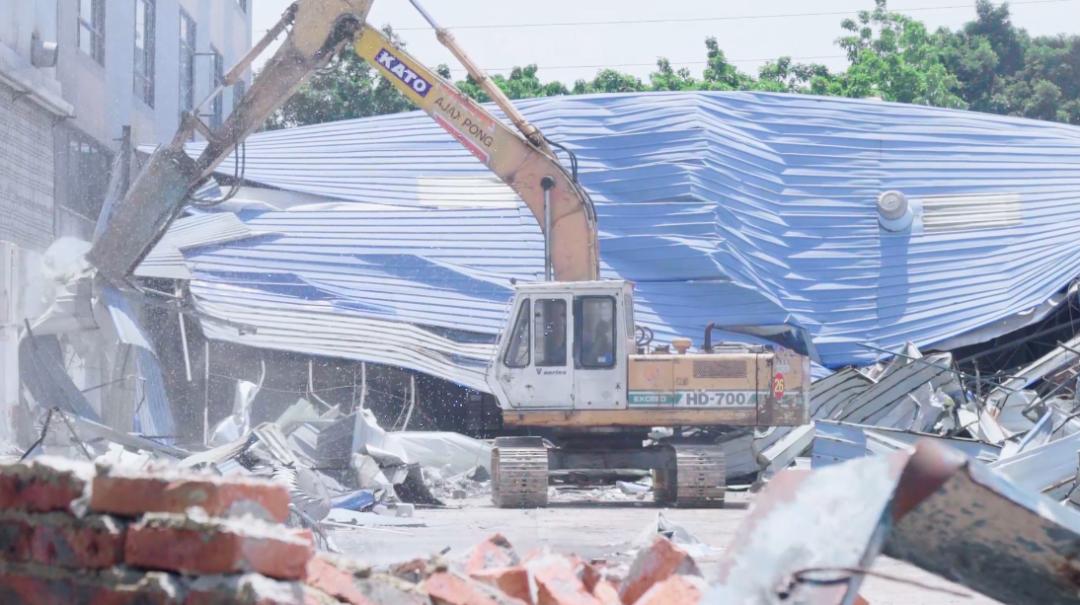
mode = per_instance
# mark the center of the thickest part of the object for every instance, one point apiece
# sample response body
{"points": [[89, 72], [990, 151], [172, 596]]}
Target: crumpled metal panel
{"points": [[746, 208]]}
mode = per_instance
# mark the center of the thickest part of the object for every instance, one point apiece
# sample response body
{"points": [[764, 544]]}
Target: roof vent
{"points": [[894, 211]]}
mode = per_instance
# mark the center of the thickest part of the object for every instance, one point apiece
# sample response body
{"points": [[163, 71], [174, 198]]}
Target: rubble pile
{"points": [[99, 534], [493, 572], [73, 532]]}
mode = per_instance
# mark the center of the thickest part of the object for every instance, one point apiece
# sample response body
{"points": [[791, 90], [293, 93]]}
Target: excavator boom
{"points": [[523, 165], [317, 29]]}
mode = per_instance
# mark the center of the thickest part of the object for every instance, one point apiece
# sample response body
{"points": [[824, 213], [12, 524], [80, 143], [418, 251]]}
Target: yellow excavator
{"points": [[575, 377]]}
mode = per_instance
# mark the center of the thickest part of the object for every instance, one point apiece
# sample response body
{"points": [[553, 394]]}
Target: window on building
{"points": [[549, 332], [594, 331], [145, 34], [187, 62], [239, 90], [92, 29], [517, 353], [218, 80], [86, 173]]}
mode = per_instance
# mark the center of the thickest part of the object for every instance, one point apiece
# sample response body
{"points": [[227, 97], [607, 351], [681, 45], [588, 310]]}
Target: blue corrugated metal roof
{"points": [[728, 207]]}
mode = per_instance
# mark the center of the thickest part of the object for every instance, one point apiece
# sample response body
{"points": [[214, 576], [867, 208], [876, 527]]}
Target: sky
{"points": [[749, 32]]}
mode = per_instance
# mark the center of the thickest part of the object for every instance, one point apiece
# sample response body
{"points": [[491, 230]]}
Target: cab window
{"points": [[549, 330], [594, 327], [517, 354]]}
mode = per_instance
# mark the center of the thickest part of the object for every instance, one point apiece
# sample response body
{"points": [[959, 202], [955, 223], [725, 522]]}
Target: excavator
{"points": [[576, 379]]}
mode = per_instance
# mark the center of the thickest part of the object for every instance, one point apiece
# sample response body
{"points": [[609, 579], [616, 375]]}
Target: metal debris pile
{"points": [[972, 479]]}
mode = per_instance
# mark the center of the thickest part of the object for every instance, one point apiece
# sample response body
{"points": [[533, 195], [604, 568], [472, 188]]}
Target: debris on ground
{"points": [[171, 536]]}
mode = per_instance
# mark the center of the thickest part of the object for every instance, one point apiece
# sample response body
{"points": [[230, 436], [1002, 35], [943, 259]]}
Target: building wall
{"points": [[61, 125], [104, 95], [26, 163]]}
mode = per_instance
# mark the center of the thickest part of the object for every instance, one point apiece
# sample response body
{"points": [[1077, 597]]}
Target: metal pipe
{"points": [[412, 401], [547, 183]]}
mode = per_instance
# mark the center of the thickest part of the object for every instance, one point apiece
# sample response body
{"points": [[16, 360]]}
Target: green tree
{"points": [[609, 80], [987, 65], [523, 83], [894, 57], [668, 78], [783, 75], [721, 74]]}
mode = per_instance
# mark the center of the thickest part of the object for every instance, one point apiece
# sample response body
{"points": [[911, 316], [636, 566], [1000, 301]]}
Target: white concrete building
{"points": [[79, 81]]}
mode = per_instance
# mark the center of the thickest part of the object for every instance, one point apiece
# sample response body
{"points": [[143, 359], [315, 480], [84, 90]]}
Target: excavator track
{"points": [[519, 474], [698, 478]]}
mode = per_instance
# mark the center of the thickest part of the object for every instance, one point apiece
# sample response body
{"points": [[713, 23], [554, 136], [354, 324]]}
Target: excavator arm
{"points": [[524, 160], [317, 30]]}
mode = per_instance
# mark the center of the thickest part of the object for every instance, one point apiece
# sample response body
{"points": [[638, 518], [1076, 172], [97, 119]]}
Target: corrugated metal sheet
{"points": [[166, 260], [731, 207]]}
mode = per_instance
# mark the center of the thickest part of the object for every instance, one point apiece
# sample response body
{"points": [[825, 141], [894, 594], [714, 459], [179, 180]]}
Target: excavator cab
{"points": [[566, 347]]}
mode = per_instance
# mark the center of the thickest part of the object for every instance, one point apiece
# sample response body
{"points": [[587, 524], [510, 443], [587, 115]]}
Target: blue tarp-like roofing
{"points": [[739, 208]]}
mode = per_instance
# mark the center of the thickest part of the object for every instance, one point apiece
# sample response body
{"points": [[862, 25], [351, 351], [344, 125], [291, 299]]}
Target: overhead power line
{"points": [[653, 64], [713, 19]]}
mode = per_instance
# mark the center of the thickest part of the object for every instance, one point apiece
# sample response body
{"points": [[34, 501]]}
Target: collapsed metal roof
{"points": [[739, 208]]}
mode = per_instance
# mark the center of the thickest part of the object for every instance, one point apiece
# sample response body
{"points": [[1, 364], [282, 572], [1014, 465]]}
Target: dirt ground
{"points": [[601, 530]]}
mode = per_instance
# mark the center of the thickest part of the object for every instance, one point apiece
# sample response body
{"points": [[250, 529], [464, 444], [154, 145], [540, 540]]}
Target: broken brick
{"points": [[130, 494], [494, 552], [445, 588], [412, 571], [676, 590], [251, 589], [43, 584], [607, 593], [512, 581], [661, 560], [58, 539], [192, 546], [44, 484], [558, 581], [326, 577]]}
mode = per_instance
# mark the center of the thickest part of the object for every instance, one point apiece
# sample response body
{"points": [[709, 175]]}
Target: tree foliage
{"points": [[987, 65]]}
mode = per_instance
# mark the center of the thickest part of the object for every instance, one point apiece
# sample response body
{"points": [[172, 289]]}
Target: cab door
{"points": [[536, 369], [599, 357]]}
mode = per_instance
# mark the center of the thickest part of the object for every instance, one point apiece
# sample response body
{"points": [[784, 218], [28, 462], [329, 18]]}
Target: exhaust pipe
{"points": [[547, 183]]}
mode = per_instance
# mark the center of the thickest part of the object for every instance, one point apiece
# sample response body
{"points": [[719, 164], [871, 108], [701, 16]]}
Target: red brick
{"points": [[411, 571], [492, 553], [130, 494], [325, 576], [191, 546], [558, 581], [251, 589], [511, 581], [58, 539], [448, 589], [653, 565], [44, 484], [35, 584], [607, 593], [676, 590]]}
